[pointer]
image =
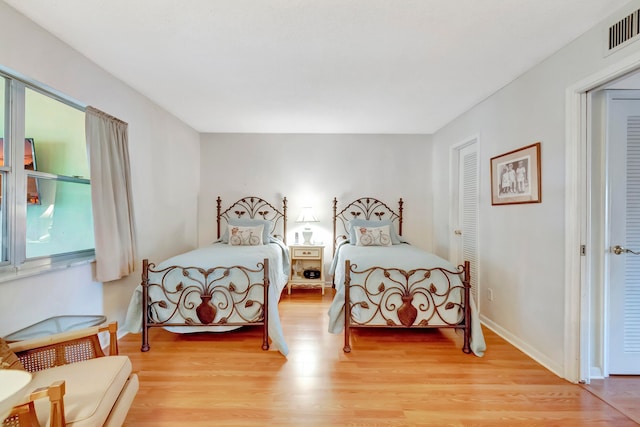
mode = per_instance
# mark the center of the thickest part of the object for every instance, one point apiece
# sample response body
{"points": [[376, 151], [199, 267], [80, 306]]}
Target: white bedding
{"points": [[222, 254], [405, 257]]}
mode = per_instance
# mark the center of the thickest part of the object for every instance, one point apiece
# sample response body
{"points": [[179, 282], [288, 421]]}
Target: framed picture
{"points": [[515, 176]]}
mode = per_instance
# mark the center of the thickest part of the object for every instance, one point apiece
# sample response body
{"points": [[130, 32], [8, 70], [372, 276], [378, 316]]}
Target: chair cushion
{"points": [[121, 409], [92, 388]]}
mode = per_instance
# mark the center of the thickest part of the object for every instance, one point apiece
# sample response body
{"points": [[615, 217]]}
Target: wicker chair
{"points": [[84, 387]]}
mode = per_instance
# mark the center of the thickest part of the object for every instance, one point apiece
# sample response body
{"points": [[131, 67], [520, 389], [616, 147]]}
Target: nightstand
{"points": [[309, 259]]}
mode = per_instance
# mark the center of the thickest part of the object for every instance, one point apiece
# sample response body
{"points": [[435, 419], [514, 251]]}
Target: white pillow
{"points": [[372, 236], [356, 223], [247, 222], [245, 236]]}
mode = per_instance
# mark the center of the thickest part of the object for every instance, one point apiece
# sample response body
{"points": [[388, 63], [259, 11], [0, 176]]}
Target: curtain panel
{"points": [[112, 202]]}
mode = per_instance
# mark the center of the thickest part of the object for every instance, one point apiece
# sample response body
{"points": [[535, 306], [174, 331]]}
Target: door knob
{"points": [[618, 250]]}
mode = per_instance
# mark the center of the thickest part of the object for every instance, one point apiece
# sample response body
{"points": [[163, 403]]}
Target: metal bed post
{"points": [[219, 203], [335, 210], [400, 203], [284, 222], [347, 308], [265, 315], [467, 307], [145, 305]]}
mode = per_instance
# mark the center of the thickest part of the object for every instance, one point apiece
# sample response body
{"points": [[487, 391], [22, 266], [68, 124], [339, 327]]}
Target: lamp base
{"points": [[306, 234]]}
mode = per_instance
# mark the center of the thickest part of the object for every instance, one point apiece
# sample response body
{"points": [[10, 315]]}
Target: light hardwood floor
{"points": [[391, 378]]}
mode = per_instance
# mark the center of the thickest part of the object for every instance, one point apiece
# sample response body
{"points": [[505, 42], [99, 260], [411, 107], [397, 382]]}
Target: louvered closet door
{"points": [[467, 230], [623, 145]]}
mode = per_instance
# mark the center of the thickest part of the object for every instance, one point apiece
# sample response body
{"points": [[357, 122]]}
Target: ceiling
{"points": [[316, 66]]}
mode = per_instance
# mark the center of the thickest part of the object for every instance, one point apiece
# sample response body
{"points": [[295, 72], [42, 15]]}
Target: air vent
{"points": [[624, 30]]}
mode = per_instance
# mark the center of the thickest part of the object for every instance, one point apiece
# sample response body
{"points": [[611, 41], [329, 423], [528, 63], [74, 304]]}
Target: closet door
{"points": [[466, 216], [623, 149]]}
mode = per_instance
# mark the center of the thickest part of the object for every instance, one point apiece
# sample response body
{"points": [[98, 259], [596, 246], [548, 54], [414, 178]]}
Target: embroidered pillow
{"points": [[372, 236], [8, 359], [356, 223], [245, 236], [249, 222]]}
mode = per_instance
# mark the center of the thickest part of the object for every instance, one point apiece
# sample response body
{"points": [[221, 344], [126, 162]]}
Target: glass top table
{"points": [[55, 325]]}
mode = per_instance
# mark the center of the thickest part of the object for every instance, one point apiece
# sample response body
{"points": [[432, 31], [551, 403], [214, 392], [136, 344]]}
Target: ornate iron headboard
{"points": [[256, 207], [368, 208]]}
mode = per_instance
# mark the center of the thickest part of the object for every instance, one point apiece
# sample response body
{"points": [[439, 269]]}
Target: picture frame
{"points": [[516, 177]]}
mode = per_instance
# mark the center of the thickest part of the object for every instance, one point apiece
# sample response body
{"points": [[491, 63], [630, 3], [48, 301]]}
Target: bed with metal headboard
{"points": [[236, 281], [382, 281]]}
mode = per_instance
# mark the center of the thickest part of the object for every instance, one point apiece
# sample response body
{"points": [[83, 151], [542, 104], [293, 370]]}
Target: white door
{"points": [[466, 212], [623, 211]]}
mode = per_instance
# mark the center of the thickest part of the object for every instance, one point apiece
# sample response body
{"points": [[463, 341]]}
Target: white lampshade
{"points": [[307, 215]]}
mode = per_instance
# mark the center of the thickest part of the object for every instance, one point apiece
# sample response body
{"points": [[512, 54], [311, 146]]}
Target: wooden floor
{"points": [[391, 378], [621, 392]]}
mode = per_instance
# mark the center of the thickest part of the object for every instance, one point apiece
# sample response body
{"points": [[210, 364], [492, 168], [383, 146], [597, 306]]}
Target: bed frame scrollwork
{"points": [[396, 298], [368, 208], [236, 295], [218, 296], [389, 297], [255, 207]]}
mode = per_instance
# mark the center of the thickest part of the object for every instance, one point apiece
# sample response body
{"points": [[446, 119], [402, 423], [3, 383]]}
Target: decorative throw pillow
{"points": [[249, 222], [8, 359], [356, 223], [245, 236], [373, 236]]}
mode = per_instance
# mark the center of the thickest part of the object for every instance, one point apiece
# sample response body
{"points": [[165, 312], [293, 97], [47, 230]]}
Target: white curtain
{"points": [[113, 222]]}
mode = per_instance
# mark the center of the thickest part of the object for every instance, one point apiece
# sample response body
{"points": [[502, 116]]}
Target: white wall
{"points": [[522, 247], [313, 169], [165, 177]]}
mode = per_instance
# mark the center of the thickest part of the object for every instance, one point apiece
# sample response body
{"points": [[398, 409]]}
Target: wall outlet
{"points": [[490, 294]]}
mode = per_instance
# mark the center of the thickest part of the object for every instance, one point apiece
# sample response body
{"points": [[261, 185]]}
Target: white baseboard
{"points": [[595, 373], [524, 347]]}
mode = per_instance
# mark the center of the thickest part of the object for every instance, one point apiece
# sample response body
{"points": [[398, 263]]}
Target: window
{"points": [[4, 255], [45, 197]]}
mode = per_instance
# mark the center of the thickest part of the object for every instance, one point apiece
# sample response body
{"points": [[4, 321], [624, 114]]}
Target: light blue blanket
{"points": [[223, 254], [403, 256]]}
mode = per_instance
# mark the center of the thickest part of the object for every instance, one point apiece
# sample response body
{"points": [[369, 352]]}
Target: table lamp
{"points": [[307, 215]]}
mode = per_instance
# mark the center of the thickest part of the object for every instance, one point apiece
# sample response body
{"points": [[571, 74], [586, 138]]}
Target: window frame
{"points": [[14, 221]]}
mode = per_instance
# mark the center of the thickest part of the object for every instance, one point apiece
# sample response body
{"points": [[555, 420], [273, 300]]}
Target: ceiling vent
{"points": [[622, 32]]}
